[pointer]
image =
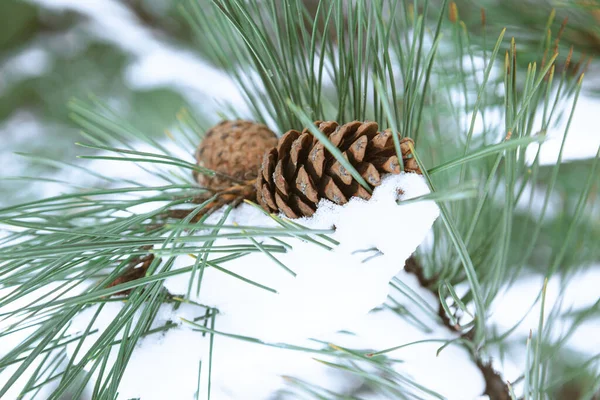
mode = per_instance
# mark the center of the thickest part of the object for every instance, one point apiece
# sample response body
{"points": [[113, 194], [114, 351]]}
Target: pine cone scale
{"points": [[370, 174], [381, 141], [283, 206], [268, 199], [305, 185], [368, 129], [286, 141], [280, 179], [300, 149], [267, 166], [305, 209], [332, 191], [338, 171], [316, 161], [358, 149]]}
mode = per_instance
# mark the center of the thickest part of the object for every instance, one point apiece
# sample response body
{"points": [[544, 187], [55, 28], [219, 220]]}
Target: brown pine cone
{"points": [[299, 171], [234, 149]]}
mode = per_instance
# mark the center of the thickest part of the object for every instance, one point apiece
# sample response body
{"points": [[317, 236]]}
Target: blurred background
{"points": [[142, 58], [138, 56]]}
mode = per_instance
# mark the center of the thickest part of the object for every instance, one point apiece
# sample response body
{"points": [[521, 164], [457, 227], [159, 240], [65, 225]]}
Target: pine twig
{"points": [[232, 196], [136, 269]]}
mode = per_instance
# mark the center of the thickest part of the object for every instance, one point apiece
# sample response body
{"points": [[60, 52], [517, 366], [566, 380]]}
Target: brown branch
{"points": [[495, 387], [136, 269], [139, 265], [233, 196]]}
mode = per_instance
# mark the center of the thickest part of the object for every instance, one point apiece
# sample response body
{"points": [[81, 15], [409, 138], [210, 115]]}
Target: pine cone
{"points": [[296, 174], [234, 149]]}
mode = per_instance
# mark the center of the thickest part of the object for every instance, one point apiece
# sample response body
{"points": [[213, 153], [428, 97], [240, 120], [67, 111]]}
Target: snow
{"points": [[11, 340], [333, 291], [164, 362], [583, 139], [322, 276], [451, 373], [576, 294], [562, 297]]}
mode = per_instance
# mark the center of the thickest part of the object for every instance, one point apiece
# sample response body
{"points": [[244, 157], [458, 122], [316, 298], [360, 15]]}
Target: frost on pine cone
{"points": [[299, 171], [233, 149]]}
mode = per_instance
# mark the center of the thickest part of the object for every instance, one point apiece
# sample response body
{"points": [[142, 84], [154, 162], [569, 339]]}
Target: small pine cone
{"points": [[234, 149], [296, 174]]}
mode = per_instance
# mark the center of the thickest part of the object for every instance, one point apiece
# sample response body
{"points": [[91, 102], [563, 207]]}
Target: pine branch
{"points": [[381, 60]]}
